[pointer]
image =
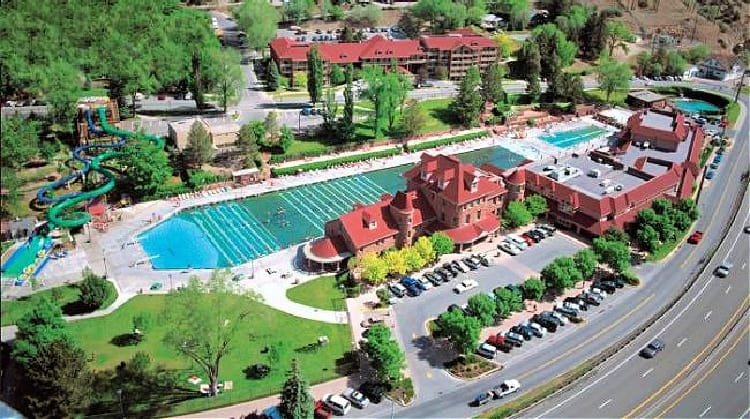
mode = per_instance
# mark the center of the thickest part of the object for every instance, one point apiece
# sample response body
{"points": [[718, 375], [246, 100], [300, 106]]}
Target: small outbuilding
{"points": [[646, 99], [246, 176]]}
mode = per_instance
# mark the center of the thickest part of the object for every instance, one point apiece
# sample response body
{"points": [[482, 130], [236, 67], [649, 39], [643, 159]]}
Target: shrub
{"points": [[631, 278], [446, 141], [326, 164], [95, 291]]}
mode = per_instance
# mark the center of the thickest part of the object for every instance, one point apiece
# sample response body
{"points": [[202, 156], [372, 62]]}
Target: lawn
{"points": [[307, 147], [617, 97], [12, 311], [319, 293], [733, 112], [438, 118], [264, 326]]}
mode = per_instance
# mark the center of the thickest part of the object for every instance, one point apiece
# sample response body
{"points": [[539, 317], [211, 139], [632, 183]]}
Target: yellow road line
{"points": [[579, 346], [705, 375], [695, 359]]}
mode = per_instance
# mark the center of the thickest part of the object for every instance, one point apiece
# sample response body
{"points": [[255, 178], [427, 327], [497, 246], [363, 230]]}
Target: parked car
{"points": [[505, 388], [576, 303], [563, 319], [397, 289], [567, 312], [496, 339], [440, 275], [482, 398], [710, 174], [528, 239], [433, 278], [424, 283], [514, 338], [524, 325], [605, 285], [470, 263], [550, 229], [356, 398], [517, 241], [536, 234], [412, 286], [484, 261], [337, 404], [456, 307], [589, 299], [653, 348], [527, 335], [321, 410], [461, 266], [722, 271], [451, 268], [486, 350], [714, 165], [373, 391], [617, 280], [509, 248], [465, 285]]}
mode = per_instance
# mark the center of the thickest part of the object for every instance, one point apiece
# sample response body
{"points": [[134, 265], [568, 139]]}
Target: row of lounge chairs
{"points": [[203, 194]]}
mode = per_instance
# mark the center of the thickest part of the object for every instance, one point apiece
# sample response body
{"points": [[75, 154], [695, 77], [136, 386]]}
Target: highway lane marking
{"points": [[703, 413], [647, 372], [681, 342], [705, 375], [744, 265], [728, 288], [708, 315], [739, 377], [710, 223], [695, 359], [579, 346], [601, 406]]}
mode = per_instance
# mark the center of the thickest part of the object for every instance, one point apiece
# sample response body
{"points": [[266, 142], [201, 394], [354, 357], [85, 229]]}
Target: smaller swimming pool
{"points": [[692, 106], [565, 139], [25, 255]]}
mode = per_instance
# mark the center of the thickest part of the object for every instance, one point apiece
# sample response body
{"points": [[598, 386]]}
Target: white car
{"points": [[426, 284], [517, 241], [358, 399], [508, 248], [465, 285], [505, 388]]}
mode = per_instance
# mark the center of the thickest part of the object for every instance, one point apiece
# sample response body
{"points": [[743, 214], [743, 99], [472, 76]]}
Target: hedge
{"points": [[326, 164], [446, 141]]}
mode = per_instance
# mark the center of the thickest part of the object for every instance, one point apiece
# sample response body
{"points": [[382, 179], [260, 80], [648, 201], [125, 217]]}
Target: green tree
{"points": [[346, 128], [414, 260], [593, 34], [286, 138], [314, 75], [272, 128], [553, 45], [647, 238], [504, 43], [509, 302], [413, 119], [296, 400], [586, 262], [442, 243], [536, 205], [56, 381], [147, 169], [387, 357], [396, 262], [614, 254], [516, 214], [533, 289], [502, 306], [426, 250], [616, 235], [396, 89], [462, 330], [20, 141], [94, 290], [368, 15], [259, 20], [38, 328], [515, 300], [274, 77], [336, 74], [325, 9], [330, 110], [204, 318], [561, 274], [612, 75], [467, 106], [347, 34], [531, 58], [297, 10], [373, 268], [228, 79], [376, 91], [689, 207], [250, 136], [617, 36], [483, 308], [492, 84], [200, 149], [10, 183]]}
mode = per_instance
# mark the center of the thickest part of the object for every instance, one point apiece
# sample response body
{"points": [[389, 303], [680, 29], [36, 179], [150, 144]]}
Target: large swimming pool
{"points": [[234, 232], [565, 139]]}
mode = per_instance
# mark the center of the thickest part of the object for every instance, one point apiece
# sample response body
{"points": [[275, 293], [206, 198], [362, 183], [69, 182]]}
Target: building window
{"points": [[479, 214], [468, 218]]}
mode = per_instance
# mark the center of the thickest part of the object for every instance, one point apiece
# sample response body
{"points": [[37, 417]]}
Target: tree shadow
{"points": [[435, 351], [348, 364], [125, 339], [444, 115], [75, 308]]}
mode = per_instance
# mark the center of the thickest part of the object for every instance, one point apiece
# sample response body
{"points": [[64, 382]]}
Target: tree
{"points": [[573, 88], [396, 261], [259, 20], [536, 205], [296, 400], [413, 119], [56, 381], [462, 330], [593, 34], [387, 357], [227, 76], [204, 319], [561, 274], [272, 128], [274, 77], [336, 74], [614, 254], [483, 308], [516, 214], [530, 56], [314, 75], [442, 243], [248, 139], [426, 250], [612, 75], [41, 326], [325, 9], [502, 306], [10, 183], [533, 289], [387, 91], [647, 238], [20, 141], [467, 106], [555, 82], [414, 260], [492, 84], [147, 169], [511, 301], [553, 45], [365, 15], [94, 290], [689, 207], [504, 43], [409, 24], [347, 129], [373, 268], [586, 262], [286, 138], [330, 110], [617, 36], [616, 235], [200, 148], [347, 34], [397, 87]]}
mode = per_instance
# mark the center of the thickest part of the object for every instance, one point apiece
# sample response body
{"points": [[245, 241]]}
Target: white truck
{"points": [[505, 388]]}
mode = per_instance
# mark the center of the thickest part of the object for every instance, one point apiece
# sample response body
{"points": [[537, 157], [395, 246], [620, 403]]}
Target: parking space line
{"points": [[681, 342], [647, 372], [703, 413], [739, 377], [608, 401]]}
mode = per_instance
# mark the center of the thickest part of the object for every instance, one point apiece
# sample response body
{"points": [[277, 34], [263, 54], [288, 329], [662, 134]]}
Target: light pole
{"points": [[119, 396], [171, 287], [104, 259]]}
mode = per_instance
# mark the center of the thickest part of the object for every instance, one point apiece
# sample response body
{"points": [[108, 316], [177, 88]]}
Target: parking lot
{"points": [[334, 35]]}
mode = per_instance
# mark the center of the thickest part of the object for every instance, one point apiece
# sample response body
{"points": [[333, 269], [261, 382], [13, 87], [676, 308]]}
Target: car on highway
{"points": [[509, 248], [465, 285], [722, 271], [482, 398], [653, 348], [356, 398], [505, 388], [696, 237], [397, 289]]}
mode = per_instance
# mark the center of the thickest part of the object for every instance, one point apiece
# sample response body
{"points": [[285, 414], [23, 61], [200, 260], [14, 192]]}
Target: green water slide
{"points": [[58, 214]]}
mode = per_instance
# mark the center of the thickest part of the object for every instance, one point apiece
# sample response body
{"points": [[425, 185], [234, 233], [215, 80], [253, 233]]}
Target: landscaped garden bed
{"points": [[446, 141], [326, 164], [472, 366]]}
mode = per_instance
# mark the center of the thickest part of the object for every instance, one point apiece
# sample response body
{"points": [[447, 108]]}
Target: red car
{"points": [[695, 238], [496, 340], [321, 410], [529, 241]]}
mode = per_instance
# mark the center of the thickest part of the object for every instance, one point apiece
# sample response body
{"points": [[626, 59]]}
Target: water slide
{"points": [[60, 204]]}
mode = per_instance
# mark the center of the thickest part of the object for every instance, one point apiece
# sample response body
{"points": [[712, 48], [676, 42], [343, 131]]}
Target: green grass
{"points": [[617, 97], [307, 147], [6, 245], [319, 293], [733, 112], [94, 91], [264, 326], [12, 311], [438, 115], [705, 154]]}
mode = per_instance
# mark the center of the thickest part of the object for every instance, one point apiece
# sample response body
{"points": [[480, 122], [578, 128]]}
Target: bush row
{"points": [[326, 164], [280, 158], [446, 141]]}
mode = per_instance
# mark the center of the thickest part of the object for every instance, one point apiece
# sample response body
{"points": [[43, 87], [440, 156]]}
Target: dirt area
{"points": [[390, 18]]}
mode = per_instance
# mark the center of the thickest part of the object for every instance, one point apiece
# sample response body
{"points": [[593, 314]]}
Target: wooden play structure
{"points": [[100, 217], [91, 104]]}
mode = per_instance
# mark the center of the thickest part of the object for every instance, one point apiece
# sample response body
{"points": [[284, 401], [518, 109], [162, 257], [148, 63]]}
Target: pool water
{"points": [[565, 139], [234, 232], [24, 256], [696, 106]]}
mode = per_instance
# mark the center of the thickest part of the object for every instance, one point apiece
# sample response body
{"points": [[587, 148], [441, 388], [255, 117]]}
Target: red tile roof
{"points": [[458, 38], [325, 248], [379, 47], [471, 232], [678, 132], [447, 176], [346, 52]]}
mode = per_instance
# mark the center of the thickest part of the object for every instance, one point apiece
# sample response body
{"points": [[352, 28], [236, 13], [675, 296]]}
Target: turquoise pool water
{"points": [[696, 106], [565, 139], [234, 232]]}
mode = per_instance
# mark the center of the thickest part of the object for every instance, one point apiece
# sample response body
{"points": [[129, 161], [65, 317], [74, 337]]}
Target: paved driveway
{"points": [[425, 358]]}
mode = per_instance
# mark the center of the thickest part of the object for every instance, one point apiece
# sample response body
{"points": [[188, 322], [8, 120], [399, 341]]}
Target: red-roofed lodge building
{"points": [[455, 52]]}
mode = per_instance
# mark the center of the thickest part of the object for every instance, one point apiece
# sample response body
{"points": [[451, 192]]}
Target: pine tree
{"points": [[274, 78], [346, 131], [314, 75], [296, 400], [533, 69], [200, 149], [468, 103]]}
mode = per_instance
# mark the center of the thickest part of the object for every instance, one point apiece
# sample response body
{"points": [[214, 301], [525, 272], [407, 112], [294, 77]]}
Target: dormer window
{"points": [[474, 184], [442, 184], [372, 225]]}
